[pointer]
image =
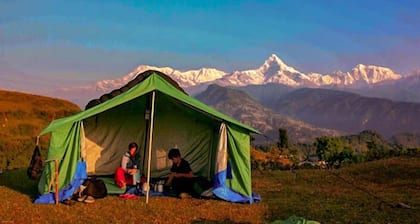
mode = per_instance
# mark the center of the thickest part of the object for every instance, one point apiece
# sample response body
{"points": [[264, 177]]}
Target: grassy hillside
{"points": [[22, 117], [364, 193]]}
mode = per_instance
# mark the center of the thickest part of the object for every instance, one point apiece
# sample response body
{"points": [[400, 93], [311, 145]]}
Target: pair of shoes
{"points": [[89, 199], [184, 195]]}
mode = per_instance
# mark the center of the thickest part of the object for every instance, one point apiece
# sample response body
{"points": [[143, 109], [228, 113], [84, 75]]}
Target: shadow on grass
{"points": [[17, 180]]}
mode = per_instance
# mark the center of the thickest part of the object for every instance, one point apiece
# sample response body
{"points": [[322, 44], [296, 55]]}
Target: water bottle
{"points": [[136, 176]]}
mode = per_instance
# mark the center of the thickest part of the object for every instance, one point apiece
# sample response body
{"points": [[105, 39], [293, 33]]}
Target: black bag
{"points": [[34, 170], [95, 188]]}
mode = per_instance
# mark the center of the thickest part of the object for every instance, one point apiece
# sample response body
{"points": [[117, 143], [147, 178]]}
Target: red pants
{"points": [[122, 178]]}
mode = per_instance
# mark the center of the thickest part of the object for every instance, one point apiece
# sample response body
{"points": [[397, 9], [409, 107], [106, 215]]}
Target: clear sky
{"points": [[95, 40]]}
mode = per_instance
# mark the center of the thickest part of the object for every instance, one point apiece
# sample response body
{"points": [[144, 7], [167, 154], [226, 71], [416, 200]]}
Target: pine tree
{"points": [[283, 142]]}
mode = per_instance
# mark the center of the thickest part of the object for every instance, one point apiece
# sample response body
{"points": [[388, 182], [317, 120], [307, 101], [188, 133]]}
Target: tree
{"points": [[376, 150], [283, 142], [307, 150], [332, 151]]}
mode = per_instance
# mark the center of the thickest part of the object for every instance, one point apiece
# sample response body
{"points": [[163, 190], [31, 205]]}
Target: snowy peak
{"points": [[202, 75], [274, 63], [360, 75], [184, 79], [110, 84], [373, 74], [274, 70]]}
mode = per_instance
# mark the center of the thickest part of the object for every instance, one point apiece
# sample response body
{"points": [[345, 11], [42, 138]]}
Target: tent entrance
{"points": [[108, 134]]}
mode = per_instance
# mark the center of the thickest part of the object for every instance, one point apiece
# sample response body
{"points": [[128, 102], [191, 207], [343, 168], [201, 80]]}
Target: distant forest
{"points": [[334, 152]]}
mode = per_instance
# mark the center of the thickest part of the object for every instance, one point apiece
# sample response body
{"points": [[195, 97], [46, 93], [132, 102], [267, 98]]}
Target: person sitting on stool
{"points": [[124, 173]]}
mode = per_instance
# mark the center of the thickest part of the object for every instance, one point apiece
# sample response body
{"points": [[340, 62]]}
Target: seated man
{"points": [[124, 173], [181, 178]]}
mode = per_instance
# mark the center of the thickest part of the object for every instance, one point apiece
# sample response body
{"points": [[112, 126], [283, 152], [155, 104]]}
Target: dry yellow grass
{"points": [[22, 117], [16, 207], [314, 194]]}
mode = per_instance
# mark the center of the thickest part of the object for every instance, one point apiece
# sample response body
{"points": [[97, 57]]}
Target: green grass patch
{"points": [[362, 193]]}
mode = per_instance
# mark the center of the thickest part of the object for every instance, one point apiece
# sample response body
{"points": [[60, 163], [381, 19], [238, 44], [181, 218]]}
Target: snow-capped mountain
{"points": [[273, 70], [184, 79], [359, 75], [373, 74]]}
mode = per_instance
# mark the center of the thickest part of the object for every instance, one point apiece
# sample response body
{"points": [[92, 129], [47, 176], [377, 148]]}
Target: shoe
{"points": [[81, 198], [68, 201], [184, 196], [89, 199]]}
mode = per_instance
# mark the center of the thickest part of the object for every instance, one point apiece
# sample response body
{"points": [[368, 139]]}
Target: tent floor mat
{"points": [[111, 187]]}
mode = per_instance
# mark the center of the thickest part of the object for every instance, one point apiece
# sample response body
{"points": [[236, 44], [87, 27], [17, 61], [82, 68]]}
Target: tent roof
{"points": [[153, 82], [139, 78]]}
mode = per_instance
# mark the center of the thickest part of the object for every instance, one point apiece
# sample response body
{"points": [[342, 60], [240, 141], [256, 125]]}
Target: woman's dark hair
{"points": [[174, 152], [132, 145]]}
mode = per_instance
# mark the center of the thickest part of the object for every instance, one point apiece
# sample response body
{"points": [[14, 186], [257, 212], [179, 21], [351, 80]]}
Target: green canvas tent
{"points": [[158, 116]]}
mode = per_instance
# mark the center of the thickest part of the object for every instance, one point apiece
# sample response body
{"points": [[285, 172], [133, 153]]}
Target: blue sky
{"points": [[85, 41]]}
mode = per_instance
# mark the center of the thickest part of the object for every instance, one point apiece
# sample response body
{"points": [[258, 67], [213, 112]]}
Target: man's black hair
{"points": [[174, 152], [132, 145]]}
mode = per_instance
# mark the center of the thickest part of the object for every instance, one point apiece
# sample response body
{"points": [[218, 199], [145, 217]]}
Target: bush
{"points": [[273, 159]]}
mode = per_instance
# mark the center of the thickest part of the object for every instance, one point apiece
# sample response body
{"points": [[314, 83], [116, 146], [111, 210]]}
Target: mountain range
{"points": [[240, 105], [349, 112], [276, 95], [313, 112], [272, 71]]}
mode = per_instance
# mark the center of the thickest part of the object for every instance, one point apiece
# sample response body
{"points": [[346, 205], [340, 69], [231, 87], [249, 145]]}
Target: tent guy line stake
{"points": [[152, 114]]}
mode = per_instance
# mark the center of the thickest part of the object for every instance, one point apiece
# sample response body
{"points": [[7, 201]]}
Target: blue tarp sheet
{"points": [[68, 190], [224, 192]]}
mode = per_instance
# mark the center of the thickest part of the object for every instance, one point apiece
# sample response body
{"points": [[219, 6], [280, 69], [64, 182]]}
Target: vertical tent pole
{"points": [[56, 181], [146, 132], [149, 159]]}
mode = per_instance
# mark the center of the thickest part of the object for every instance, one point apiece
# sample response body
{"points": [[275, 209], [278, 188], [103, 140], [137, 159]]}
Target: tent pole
{"points": [[56, 181], [146, 140], [149, 159]]}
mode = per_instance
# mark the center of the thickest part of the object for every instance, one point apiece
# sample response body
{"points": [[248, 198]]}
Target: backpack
{"points": [[95, 188], [34, 170]]}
